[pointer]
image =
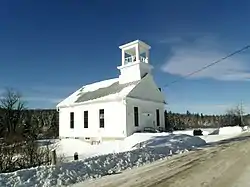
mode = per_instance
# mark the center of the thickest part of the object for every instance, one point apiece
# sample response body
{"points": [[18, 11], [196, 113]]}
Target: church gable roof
{"points": [[107, 89], [114, 88]]}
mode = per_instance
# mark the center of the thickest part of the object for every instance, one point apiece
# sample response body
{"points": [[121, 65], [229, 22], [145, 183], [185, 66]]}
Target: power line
{"points": [[209, 65]]}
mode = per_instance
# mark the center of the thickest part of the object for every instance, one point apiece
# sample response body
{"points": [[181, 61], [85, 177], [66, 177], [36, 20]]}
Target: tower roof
{"points": [[141, 43]]}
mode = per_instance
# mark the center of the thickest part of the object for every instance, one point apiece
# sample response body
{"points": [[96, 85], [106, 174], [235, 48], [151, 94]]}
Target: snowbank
{"points": [[215, 135], [223, 133], [67, 147], [230, 130], [227, 130], [217, 138], [205, 131], [213, 131], [132, 141], [245, 128], [188, 132], [153, 148]]}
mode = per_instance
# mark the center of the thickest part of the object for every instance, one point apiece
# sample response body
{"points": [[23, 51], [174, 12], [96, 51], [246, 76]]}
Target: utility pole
{"points": [[241, 114]]}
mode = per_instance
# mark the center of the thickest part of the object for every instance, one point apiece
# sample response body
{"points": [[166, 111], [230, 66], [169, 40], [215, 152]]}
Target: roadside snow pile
{"points": [[216, 134], [227, 130], [230, 130], [205, 131], [173, 142], [155, 148], [188, 132], [67, 147], [223, 133], [245, 128], [133, 141]]}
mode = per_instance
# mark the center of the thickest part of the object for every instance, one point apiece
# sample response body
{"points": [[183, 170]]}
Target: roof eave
{"points": [[133, 43], [148, 100], [91, 102]]}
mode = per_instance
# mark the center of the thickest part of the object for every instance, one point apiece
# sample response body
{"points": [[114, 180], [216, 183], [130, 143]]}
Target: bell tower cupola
{"points": [[135, 61]]}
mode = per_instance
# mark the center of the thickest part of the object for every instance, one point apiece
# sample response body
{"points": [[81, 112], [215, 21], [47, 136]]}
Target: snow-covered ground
{"points": [[153, 147], [111, 157], [205, 131], [214, 135], [67, 147], [222, 133]]}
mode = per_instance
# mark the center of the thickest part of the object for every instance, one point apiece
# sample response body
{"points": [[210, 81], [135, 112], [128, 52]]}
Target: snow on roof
{"points": [[103, 90]]}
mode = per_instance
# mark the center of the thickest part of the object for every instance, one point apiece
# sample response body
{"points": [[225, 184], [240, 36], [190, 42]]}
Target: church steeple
{"points": [[135, 61]]}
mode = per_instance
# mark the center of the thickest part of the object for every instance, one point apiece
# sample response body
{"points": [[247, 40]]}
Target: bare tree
{"points": [[13, 108], [19, 147], [234, 116]]}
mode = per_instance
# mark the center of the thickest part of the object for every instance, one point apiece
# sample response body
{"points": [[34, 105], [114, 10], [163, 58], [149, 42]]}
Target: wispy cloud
{"points": [[171, 40], [52, 89], [47, 94], [43, 96], [43, 99], [190, 55]]}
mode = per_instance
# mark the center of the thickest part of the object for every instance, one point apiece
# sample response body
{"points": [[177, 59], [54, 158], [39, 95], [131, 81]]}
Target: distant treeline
{"points": [[194, 120]]}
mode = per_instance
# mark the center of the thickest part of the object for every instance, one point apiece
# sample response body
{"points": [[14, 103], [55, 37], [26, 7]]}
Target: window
{"points": [[71, 120], [136, 116], [101, 118], [157, 117], [86, 119]]}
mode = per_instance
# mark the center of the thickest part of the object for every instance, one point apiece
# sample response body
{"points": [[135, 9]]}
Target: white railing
{"points": [[143, 59], [130, 59], [133, 59]]}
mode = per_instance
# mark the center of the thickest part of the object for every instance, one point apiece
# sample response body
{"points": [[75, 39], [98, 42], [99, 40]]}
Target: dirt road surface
{"points": [[225, 164]]}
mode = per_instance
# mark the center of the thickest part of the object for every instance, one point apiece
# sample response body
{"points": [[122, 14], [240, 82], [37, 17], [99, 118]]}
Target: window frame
{"points": [[136, 116], [158, 122], [72, 120], [101, 118], [86, 119]]}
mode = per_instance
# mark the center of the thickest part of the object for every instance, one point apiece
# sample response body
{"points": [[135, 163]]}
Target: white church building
{"points": [[115, 108]]}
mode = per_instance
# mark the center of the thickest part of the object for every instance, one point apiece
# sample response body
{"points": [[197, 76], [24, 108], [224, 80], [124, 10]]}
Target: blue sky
{"points": [[50, 48]]}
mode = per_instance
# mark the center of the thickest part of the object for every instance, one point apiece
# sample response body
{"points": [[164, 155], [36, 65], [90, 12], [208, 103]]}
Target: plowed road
{"points": [[226, 164]]}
